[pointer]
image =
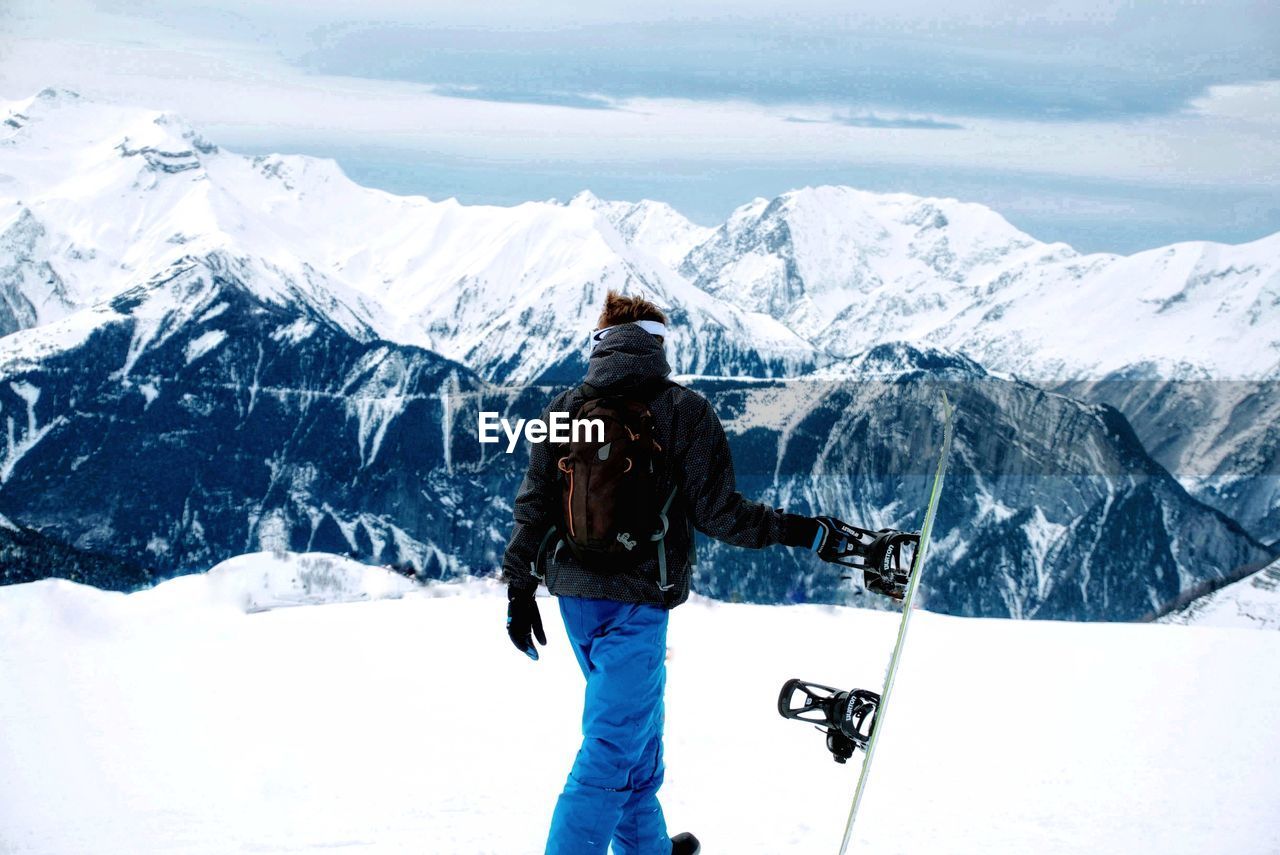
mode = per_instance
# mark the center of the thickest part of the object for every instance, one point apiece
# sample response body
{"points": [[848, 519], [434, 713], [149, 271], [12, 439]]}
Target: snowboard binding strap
{"points": [[884, 557], [847, 717]]}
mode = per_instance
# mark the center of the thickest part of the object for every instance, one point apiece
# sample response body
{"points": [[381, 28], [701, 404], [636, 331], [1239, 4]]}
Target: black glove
{"points": [[798, 530], [832, 539], [523, 621]]}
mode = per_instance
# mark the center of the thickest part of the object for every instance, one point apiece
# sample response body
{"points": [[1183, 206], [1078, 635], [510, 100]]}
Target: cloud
{"points": [[871, 120], [256, 99], [1065, 61], [1070, 60], [551, 99], [510, 137], [1256, 102]]}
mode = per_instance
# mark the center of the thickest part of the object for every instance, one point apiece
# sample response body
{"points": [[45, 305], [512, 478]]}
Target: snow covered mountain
{"points": [[188, 419], [27, 555], [104, 196], [1185, 339], [854, 269], [210, 354], [1253, 602], [1220, 437], [1029, 525], [170, 720], [649, 226], [813, 275]]}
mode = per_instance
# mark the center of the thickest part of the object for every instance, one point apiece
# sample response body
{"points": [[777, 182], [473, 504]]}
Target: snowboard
{"points": [[908, 601]]}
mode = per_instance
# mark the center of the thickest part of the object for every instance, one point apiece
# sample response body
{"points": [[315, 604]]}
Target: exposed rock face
{"points": [[27, 555], [25, 274], [1051, 509], [1220, 438], [198, 421]]}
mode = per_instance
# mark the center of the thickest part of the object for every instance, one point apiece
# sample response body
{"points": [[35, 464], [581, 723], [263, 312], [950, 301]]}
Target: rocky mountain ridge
{"points": [[208, 354]]}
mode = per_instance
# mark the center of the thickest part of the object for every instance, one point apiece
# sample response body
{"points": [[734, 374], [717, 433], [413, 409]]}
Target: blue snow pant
{"points": [[612, 791]]}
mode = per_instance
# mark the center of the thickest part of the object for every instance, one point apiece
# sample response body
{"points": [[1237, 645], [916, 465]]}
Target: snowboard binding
{"points": [[885, 557], [849, 718]]}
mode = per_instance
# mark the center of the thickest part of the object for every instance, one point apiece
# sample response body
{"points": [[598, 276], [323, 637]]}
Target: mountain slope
{"points": [[1253, 601], [853, 269], [1220, 437], [27, 555], [1184, 339], [1051, 508], [188, 419], [167, 263], [513, 292], [649, 226], [815, 274]]}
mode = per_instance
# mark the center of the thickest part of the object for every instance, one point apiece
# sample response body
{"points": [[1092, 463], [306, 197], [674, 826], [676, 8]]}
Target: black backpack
{"points": [[614, 498]]}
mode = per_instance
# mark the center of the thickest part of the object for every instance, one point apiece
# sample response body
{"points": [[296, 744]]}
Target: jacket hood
{"points": [[626, 357]]}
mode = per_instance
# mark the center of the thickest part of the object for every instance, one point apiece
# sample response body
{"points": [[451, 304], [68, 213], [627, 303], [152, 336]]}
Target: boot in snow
{"points": [[685, 843]]}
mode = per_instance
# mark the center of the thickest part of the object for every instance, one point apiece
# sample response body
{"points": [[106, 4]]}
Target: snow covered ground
{"points": [[262, 581], [185, 720]]}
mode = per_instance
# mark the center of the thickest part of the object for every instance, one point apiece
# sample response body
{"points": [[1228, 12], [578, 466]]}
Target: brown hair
{"points": [[621, 309]]}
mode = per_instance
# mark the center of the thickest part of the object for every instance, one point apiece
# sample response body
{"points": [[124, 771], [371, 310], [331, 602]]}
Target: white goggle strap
{"points": [[651, 327]]}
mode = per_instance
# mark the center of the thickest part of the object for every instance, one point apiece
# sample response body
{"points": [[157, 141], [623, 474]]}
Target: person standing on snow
{"points": [[608, 525]]}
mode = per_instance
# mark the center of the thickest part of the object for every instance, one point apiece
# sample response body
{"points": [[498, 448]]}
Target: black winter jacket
{"points": [[698, 459]]}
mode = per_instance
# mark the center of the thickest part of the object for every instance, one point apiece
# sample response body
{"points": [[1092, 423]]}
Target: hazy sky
{"points": [[1113, 126]]}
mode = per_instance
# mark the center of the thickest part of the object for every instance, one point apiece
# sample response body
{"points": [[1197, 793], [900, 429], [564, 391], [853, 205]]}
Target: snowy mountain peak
{"points": [[52, 94], [585, 198], [511, 289], [898, 358], [57, 142], [812, 276], [44, 99], [648, 226], [303, 173], [63, 118], [18, 114], [835, 219]]}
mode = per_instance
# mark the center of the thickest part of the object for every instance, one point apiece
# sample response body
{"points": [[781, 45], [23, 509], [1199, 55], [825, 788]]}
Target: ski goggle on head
{"points": [[652, 327]]}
